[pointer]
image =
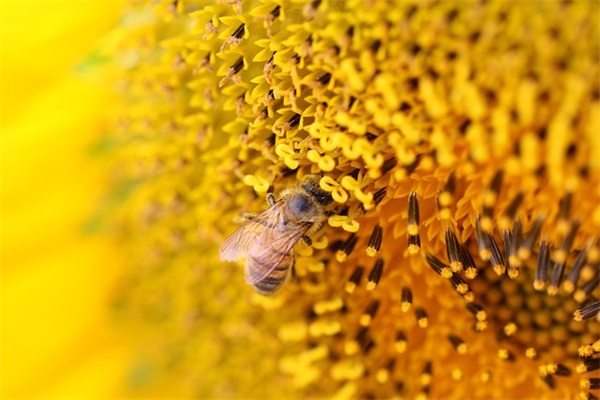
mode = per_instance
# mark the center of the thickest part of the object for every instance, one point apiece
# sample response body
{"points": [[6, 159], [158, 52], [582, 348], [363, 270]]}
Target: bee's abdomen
{"points": [[272, 282]]}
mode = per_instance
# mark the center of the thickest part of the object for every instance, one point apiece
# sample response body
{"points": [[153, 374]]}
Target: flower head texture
{"points": [[458, 140]]}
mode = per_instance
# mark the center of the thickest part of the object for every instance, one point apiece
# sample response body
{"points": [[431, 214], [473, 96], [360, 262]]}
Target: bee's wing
{"points": [[272, 245], [237, 245]]}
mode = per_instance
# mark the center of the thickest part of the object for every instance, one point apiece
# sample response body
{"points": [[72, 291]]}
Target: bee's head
{"points": [[311, 184]]}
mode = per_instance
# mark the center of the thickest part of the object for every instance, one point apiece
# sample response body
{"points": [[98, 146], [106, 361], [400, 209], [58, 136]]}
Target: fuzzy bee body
{"points": [[267, 240]]}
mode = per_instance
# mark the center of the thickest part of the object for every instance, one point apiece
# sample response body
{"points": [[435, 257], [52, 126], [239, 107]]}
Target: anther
{"points": [[374, 241], [482, 242], [375, 274], [507, 331], [489, 201], [366, 318], [588, 365], [446, 197], [400, 343], [324, 79], [468, 263], [531, 353], [496, 258], [587, 312], [589, 383], [562, 225], [452, 250], [506, 220], [389, 165], [506, 355], [414, 240], [477, 311], [562, 253], [379, 195], [573, 276], [383, 374], [459, 345], [346, 249], [541, 270], [557, 369], [405, 299], [583, 292], [560, 258], [422, 319], [354, 280], [426, 376], [514, 262], [438, 266], [459, 284], [529, 240]]}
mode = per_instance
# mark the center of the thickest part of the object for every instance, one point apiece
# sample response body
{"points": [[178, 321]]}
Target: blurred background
{"points": [[57, 271]]}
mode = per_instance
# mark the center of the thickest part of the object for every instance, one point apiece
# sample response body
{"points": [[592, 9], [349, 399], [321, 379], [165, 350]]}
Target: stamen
{"points": [[446, 197], [383, 374], [562, 225], [507, 331], [514, 262], [477, 311], [452, 250], [506, 355], [379, 195], [527, 244], [558, 369], [438, 266], [589, 383], [346, 248], [506, 220], [324, 79], [541, 270], [375, 275], [366, 318], [426, 376], [585, 290], [496, 258], [422, 319], [400, 343], [482, 242], [562, 253], [388, 165], [489, 201], [531, 353], [414, 240], [374, 241], [591, 364], [406, 299], [468, 262], [573, 276], [354, 280], [587, 312], [560, 257], [459, 345]]}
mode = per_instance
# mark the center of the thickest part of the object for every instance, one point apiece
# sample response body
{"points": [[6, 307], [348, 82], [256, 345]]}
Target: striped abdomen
{"points": [[276, 274]]}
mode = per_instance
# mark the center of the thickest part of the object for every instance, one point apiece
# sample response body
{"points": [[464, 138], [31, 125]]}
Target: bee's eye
{"points": [[300, 204]]}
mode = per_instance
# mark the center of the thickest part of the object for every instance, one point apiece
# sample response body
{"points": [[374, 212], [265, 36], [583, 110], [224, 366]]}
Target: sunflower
{"points": [[460, 257]]}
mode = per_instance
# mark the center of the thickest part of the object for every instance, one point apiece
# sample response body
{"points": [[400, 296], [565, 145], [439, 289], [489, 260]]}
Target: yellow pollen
{"points": [[349, 287], [382, 376], [371, 251], [531, 353]]}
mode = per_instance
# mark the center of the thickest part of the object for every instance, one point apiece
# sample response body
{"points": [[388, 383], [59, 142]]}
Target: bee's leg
{"points": [[248, 216], [271, 199], [307, 240], [329, 213], [293, 271]]}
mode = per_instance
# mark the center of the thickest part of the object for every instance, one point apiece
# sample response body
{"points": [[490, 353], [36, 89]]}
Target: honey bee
{"points": [[267, 240]]}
